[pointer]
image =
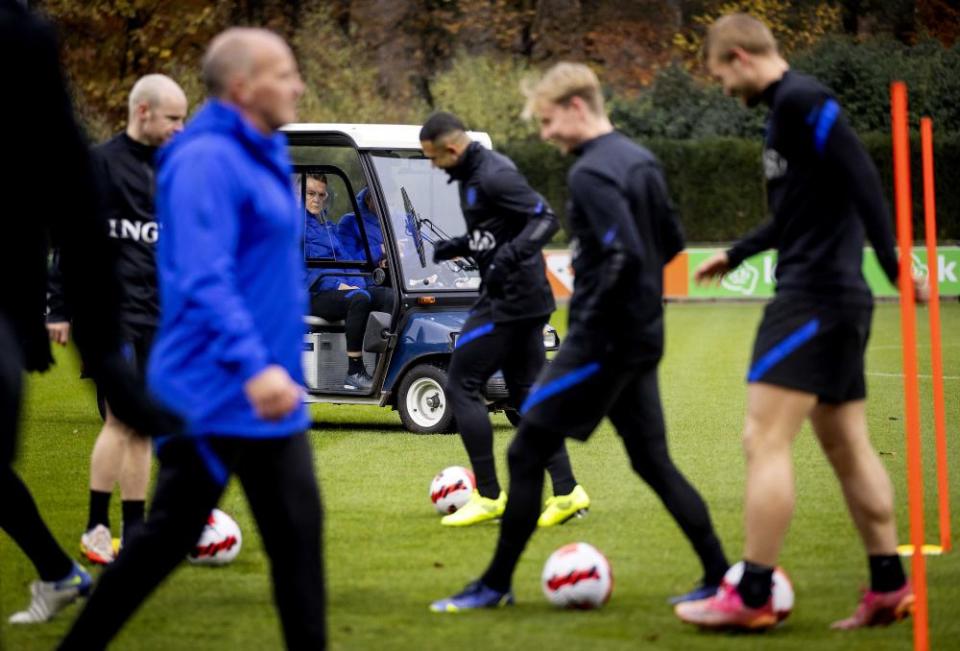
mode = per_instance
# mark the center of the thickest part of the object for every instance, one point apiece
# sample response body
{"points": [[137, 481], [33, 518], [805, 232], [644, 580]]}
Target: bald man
{"points": [[227, 351], [125, 170]]}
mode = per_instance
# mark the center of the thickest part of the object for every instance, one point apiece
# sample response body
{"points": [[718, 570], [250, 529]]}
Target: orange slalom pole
{"points": [[936, 354], [901, 169]]}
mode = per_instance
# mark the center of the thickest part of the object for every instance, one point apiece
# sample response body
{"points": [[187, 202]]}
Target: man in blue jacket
{"points": [[348, 230], [227, 352], [347, 297]]}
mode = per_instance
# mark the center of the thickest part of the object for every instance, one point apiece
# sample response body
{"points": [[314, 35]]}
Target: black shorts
{"points": [[814, 346], [135, 347], [583, 383], [137, 342]]}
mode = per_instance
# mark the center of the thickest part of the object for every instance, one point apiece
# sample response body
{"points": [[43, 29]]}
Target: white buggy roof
{"points": [[378, 136]]}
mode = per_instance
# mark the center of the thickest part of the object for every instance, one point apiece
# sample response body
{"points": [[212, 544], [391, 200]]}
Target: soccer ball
{"points": [[782, 589], [451, 489], [577, 575], [220, 541]]}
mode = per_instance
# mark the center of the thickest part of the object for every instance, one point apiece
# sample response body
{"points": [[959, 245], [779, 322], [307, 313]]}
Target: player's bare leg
{"points": [[774, 418], [119, 456], [842, 431]]}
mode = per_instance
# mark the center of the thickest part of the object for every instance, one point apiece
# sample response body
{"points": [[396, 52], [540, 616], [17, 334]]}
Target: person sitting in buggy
{"points": [[335, 294]]}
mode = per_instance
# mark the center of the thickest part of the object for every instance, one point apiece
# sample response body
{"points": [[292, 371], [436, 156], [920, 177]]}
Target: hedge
{"points": [[718, 186]]}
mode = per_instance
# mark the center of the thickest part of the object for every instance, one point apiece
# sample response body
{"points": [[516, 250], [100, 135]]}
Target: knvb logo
{"points": [[124, 229], [573, 578]]}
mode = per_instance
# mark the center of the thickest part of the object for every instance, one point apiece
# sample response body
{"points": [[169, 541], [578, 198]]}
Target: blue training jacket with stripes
{"points": [[230, 274]]}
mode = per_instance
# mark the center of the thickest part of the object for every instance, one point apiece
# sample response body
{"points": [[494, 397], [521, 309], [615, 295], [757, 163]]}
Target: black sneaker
{"points": [[358, 382]]}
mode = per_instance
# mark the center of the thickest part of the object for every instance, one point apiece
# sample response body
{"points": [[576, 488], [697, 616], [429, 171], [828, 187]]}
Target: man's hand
{"points": [[444, 250], [59, 332], [344, 287], [921, 291], [272, 393], [717, 265]]}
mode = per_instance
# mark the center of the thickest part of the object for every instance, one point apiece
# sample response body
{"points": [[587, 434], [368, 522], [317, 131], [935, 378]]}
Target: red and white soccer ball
{"points": [[451, 489], [577, 575], [220, 541], [782, 589]]}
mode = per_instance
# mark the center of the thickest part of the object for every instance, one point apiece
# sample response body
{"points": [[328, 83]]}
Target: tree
{"points": [[484, 91], [795, 25]]}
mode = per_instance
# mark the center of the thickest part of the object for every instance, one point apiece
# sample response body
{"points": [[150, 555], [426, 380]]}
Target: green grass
{"points": [[387, 556]]}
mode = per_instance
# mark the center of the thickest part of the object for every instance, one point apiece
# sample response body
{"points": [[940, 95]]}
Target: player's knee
{"points": [[359, 300]]}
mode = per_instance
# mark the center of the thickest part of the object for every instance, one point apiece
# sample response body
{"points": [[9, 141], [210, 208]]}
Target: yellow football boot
{"points": [[561, 508], [478, 509]]}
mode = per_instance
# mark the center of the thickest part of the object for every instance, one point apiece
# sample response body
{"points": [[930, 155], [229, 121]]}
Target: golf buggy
{"points": [[371, 186]]}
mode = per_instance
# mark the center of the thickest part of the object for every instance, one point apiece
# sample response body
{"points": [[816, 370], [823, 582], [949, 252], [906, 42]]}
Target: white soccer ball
{"points": [[220, 541], [577, 575], [782, 589], [451, 489]]}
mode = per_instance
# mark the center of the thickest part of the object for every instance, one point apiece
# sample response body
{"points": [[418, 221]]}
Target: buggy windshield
{"points": [[423, 209]]}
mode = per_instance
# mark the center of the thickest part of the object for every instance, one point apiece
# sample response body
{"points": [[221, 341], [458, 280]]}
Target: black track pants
{"points": [[483, 347], [18, 512], [353, 306], [635, 411], [278, 478]]}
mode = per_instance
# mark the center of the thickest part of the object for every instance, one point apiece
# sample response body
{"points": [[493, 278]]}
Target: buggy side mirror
{"points": [[377, 335]]}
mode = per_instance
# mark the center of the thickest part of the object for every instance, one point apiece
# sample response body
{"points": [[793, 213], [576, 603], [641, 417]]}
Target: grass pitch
{"points": [[387, 556]]}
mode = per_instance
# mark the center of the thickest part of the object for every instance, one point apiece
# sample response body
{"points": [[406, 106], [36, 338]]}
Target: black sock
{"points": [[527, 456], [132, 515], [355, 365], [561, 474], [886, 573], [756, 584], [485, 471], [99, 509]]}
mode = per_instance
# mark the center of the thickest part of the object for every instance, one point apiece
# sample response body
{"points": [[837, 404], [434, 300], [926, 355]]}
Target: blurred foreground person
{"points": [[227, 352], [42, 123]]}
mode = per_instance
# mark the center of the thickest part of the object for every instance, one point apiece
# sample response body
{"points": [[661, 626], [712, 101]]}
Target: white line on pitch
{"points": [[898, 346], [926, 377]]}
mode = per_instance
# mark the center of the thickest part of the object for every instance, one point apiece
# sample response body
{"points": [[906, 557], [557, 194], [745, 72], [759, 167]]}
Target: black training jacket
{"points": [[125, 171], [624, 230], [823, 191], [508, 223]]}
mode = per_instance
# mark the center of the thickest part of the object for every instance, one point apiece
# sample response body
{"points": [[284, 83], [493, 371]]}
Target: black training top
{"points": [[126, 173], [508, 224], [823, 191], [624, 230]]}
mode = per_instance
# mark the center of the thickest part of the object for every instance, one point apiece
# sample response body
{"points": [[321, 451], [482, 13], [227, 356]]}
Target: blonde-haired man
{"points": [[624, 231], [808, 359]]}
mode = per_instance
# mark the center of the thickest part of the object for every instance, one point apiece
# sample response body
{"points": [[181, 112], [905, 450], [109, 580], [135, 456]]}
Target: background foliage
{"points": [[395, 61]]}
